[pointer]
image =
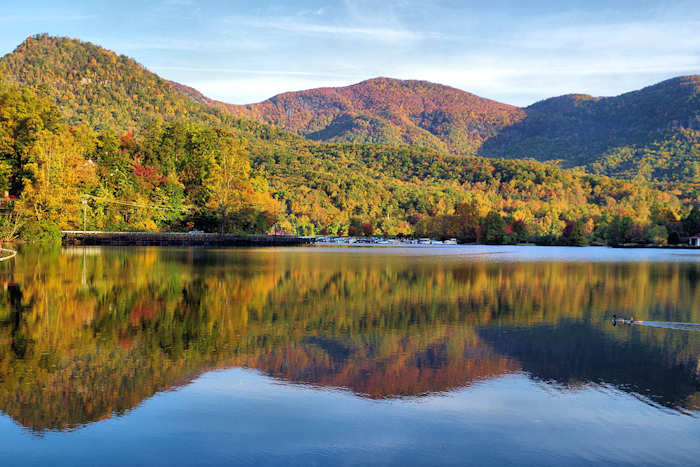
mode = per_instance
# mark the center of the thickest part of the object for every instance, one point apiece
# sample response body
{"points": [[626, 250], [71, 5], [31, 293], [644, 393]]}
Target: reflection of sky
{"points": [[237, 416], [506, 253], [509, 50]]}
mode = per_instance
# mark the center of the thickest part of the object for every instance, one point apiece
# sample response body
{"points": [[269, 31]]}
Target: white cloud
{"points": [[258, 88], [519, 81], [638, 37], [603, 59], [191, 45], [377, 33], [243, 71], [45, 18]]}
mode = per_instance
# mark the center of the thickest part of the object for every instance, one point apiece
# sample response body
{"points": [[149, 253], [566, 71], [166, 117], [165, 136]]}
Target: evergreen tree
{"points": [[494, 228]]}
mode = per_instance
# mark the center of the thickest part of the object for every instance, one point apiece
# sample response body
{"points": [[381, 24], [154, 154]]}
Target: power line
{"points": [[135, 205]]}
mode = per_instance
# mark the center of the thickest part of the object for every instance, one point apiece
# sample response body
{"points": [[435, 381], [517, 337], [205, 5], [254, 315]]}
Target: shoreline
{"points": [[201, 239], [78, 238], [656, 246]]}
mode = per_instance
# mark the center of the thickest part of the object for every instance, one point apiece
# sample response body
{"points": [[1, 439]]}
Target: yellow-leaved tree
{"points": [[57, 174], [228, 180], [240, 202]]}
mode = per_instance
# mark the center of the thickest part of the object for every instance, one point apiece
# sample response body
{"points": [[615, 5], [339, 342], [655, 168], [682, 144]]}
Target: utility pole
{"points": [[84, 215]]}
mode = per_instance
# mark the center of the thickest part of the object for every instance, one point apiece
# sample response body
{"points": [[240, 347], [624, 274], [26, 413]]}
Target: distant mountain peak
{"points": [[95, 85], [389, 111]]}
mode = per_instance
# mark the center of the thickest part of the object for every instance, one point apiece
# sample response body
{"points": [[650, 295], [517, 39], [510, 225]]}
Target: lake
{"points": [[459, 355]]}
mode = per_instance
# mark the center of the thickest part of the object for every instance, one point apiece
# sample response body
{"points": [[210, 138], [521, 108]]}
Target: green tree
{"points": [[618, 231], [657, 234], [691, 223], [494, 228], [576, 234], [466, 220]]}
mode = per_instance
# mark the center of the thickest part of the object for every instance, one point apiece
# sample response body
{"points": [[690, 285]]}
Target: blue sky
{"points": [[512, 51]]}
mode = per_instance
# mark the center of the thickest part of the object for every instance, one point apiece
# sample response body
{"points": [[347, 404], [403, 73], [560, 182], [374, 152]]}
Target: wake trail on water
{"points": [[670, 325]]}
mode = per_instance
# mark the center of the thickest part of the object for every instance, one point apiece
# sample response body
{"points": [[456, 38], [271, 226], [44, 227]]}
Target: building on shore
{"points": [[6, 200]]}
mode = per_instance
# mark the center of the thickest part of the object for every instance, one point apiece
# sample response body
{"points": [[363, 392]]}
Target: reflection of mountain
{"points": [[573, 354], [86, 336], [410, 370]]}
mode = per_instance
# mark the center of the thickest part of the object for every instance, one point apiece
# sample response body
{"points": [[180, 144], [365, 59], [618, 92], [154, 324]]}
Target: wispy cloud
{"points": [[319, 23], [178, 2], [642, 37], [244, 71], [190, 45], [45, 18], [384, 34]]}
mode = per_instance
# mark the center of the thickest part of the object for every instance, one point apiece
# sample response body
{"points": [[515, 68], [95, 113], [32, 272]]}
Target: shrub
{"points": [[44, 234]]}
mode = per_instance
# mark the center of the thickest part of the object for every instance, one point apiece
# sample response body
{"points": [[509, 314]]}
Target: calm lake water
{"points": [[350, 356]]}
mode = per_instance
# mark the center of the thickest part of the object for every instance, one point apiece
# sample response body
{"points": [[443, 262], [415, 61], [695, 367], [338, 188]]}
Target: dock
{"points": [[7, 254], [80, 238]]}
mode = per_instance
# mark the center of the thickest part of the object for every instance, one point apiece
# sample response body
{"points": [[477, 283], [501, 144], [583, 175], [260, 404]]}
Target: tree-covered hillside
{"points": [[577, 130], [649, 129], [95, 86], [672, 158], [580, 130], [644, 134], [144, 157], [388, 111]]}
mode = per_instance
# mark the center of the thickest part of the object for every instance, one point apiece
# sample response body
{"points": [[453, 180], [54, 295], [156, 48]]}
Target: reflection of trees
{"points": [[576, 354], [90, 333]]}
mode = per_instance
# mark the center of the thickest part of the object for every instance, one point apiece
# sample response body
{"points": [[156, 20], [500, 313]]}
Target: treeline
{"points": [[376, 190], [661, 228]]}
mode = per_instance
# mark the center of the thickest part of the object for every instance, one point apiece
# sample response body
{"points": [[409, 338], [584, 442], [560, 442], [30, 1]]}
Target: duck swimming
{"points": [[628, 322]]}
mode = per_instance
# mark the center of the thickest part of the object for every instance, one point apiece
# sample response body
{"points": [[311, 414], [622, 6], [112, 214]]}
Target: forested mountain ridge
{"points": [[94, 85], [388, 111], [173, 176], [650, 134], [580, 129], [576, 130]]}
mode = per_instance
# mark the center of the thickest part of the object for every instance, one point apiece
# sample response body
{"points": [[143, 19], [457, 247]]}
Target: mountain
{"points": [[160, 144], [388, 111], [579, 129], [650, 134], [576, 130], [94, 85]]}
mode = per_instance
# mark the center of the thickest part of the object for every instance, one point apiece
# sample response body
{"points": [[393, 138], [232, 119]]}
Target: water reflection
{"points": [[90, 333]]}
